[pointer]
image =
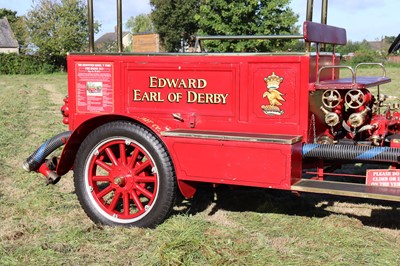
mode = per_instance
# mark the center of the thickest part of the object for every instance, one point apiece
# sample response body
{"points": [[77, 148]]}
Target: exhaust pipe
{"points": [[37, 161], [48, 170]]}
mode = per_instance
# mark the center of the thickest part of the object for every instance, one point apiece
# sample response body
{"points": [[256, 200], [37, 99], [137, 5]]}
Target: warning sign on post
{"points": [[94, 87], [383, 177]]}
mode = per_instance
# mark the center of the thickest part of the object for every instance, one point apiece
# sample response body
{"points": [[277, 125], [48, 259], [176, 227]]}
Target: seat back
{"points": [[321, 33]]}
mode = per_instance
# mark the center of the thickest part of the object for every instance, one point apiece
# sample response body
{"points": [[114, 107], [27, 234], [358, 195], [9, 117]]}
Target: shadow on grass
{"points": [[383, 214]]}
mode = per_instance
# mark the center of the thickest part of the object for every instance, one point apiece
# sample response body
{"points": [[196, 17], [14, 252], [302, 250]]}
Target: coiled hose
{"points": [[351, 152], [37, 158]]}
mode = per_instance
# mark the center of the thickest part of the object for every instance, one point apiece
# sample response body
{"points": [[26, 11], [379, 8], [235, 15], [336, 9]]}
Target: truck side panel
{"points": [[261, 164], [242, 94]]}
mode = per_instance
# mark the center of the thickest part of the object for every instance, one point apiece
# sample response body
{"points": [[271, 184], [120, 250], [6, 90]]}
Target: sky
{"points": [[363, 19]]}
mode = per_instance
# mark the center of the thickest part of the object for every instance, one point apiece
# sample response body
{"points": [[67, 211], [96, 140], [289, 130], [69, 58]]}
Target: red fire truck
{"points": [[145, 127]]}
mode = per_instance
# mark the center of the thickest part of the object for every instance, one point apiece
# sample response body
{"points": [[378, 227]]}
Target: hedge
{"points": [[24, 64]]}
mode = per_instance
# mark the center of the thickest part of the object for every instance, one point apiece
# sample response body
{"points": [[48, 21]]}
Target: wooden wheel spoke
{"points": [[137, 201], [125, 198], [111, 156], [114, 201], [142, 167], [122, 153], [104, 192], [97, 178], [144, 191], [104, 165], [146, 179], [134, 157]]}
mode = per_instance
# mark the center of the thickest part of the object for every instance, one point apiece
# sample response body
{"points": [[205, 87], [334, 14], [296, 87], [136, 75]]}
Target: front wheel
{"points": [[124, 176]]}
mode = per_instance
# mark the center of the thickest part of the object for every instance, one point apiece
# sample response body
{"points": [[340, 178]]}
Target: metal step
{"points": [[347, 189]]}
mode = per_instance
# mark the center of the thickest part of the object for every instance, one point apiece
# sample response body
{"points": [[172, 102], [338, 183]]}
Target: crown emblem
{"points": [[273, 94], [273, 81]]}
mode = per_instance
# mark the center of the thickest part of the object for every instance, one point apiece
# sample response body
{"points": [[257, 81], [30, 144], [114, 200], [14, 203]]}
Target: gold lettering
{"points": [[191, 83], [155, 97], [151, 96], [191, 97], [172, 83], [161, 83], [209, 98], [153, 82], [201, 83], [182, 84], [174, 97], [145, 97], [224, 96], [201, 98], [136, 95], [220, 98], [206, 98]]}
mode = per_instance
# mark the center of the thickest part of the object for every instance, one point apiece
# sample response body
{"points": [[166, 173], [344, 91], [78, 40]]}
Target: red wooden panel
{"points": [[234, 162]]}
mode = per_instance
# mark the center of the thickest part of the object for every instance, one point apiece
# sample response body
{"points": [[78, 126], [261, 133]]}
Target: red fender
{"points": [[68, 154]]}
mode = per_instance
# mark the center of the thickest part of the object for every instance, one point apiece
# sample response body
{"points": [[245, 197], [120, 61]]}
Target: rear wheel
{"points": [[123, 175]]}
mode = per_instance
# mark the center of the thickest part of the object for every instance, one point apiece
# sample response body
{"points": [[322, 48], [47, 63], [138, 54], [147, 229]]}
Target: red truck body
{"points": [[143, 126], [206, 109]]}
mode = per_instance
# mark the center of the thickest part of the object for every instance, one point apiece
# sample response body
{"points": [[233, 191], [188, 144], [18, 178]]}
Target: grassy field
{"points": [[44, 225]]}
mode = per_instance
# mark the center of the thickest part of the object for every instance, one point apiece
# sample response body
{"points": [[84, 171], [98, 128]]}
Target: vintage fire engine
{"points": [[145, 127]]}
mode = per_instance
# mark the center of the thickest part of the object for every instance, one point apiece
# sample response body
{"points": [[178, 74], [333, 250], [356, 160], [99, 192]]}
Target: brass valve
{"points": [[331, 118]]}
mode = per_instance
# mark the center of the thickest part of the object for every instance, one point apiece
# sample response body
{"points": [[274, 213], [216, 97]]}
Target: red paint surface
{"points": [[219, 93]]}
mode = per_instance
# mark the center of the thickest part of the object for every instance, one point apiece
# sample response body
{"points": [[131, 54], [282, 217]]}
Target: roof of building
{"points": [[109, 37], [7, 38], [144, 33], [376, 45]]}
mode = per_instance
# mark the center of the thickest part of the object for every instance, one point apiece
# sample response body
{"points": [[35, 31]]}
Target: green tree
{"points": [[11, 15], [355, 47], [139, 24], [57, 27], [246, 17], [387, 41], [174, 21]]}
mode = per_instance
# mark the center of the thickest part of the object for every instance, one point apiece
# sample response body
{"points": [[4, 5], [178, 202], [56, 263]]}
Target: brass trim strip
{"points": [[233, 136], [347, 189]]}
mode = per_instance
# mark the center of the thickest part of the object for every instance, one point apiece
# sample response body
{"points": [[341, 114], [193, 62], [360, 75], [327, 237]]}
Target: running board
{"points": [[347, 189]]}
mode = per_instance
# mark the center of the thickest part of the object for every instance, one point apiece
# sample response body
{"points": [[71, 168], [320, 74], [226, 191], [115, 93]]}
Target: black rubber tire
{"points": [[165, 195]]}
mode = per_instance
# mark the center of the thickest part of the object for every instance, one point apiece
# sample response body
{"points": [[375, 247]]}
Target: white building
{"points": [[8, 43]]}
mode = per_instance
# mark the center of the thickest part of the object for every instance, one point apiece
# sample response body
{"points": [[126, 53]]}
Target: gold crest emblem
{"points": [[274, 95]]}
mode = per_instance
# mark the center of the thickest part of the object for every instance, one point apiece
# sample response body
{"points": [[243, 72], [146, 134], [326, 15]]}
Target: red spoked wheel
{"points": [[124, 176], [123, 185]]}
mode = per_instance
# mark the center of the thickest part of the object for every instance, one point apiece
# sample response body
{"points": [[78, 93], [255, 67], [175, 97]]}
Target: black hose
{"points": [[351, 152], [38, 157]]}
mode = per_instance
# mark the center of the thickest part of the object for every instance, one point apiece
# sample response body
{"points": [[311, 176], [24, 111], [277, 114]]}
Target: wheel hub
{"points": [[120, 181]]}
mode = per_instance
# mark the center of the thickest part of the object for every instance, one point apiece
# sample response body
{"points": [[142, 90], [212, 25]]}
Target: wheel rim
{"points": [[121, 179]]}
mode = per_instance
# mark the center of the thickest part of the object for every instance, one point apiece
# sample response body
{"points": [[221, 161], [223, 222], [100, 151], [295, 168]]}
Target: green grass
{"points": [[44, 225]]}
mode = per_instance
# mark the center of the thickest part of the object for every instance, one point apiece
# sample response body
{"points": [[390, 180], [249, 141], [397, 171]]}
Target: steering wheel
{"points": [[395, 45]]}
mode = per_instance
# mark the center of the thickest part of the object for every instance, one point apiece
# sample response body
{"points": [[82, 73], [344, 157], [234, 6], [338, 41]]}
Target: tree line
{"points": [[52, 28], [49, 30]]}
